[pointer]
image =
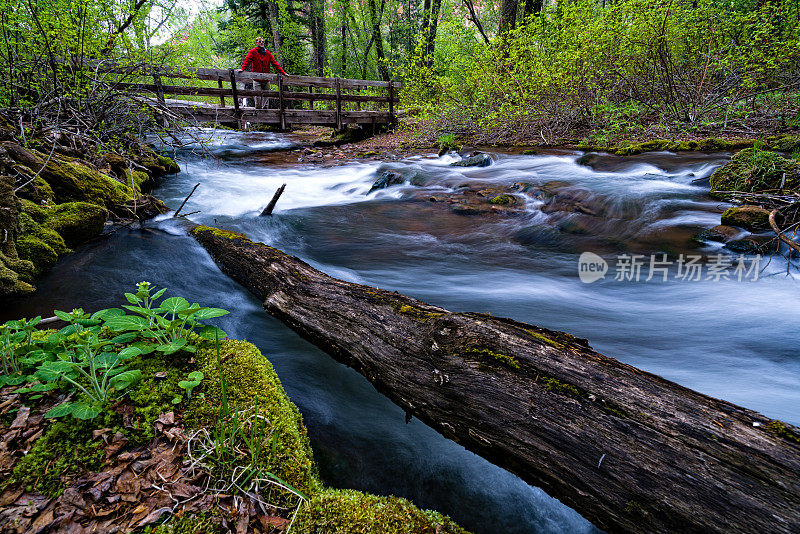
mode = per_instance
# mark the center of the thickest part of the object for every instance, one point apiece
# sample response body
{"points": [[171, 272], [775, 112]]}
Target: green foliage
{"points": [[91, 355]]}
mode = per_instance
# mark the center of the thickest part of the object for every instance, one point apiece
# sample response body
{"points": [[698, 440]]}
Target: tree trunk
{"points": [[344, 38], [277, 40], [508, 15], [629, 450], [377, 38], [433, 24], [318, 35]]}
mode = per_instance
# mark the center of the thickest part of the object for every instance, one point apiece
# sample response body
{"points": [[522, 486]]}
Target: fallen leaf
{"points": [[22, 417]]}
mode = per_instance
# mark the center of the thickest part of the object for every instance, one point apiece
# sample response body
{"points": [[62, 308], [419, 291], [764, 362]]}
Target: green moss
{"points": [[505, 359], [544, 339], [353, 512], [554, 385], [780, 429], [65, 450], [416, 313], [625, 149], [169, 165], [758, 171], [46, 234], [36, 251], [78, 222], [73, 181], [252, 381], [37, 191], [35, 211], [503, 200], [225, 234]]}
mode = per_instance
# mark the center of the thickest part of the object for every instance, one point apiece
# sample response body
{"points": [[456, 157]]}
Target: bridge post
{"points": [[391, 103], [221, 96], [237, 114], [159, 96], [338, 104], [280, 101]]}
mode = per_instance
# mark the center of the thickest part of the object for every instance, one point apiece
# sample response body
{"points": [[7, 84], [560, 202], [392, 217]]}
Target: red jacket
{"points": [[261, 61]]}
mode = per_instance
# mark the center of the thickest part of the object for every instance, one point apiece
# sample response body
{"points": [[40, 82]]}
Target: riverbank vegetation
{"points": [[145, 417]]}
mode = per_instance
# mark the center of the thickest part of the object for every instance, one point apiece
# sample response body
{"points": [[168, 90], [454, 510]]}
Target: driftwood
{"points": [[271, 205], [177, 211], [629, 450]]}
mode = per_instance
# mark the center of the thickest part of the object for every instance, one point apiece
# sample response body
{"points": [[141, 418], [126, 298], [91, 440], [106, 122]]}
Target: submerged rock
{"points": [[478, 160], [720, 233], [387, 179], [754, 244], [747, 217]]}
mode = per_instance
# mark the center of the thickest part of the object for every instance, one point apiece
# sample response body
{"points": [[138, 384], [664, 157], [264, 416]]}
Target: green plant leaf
{"points": [[140, 310], [172, 347], [85, 411], [174, 304], [108, 313], [130, 352], [177, 399], [210, 313], [144, 346], [123, 338], [127, 322], [64, 316], [159, 293], [125, 378], [106, 359], [133, 299], [60, 411], [212, 332]]}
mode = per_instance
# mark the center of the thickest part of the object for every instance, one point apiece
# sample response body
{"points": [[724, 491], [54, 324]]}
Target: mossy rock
{"points": [[77, 222], [36, 211], [42, 232], [753, 218], [754, 170], [253, 382], [76, 182], [639, 148], [37, 191], [504, 200], [788, 143], [353, 512], [36, 251], [720, 233]]}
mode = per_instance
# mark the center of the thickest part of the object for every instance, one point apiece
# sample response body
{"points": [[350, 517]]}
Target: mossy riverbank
{"points": [[70, 457], [51, 201]]}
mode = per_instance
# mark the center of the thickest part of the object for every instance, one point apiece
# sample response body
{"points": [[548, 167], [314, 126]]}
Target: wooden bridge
{"points": [[283, 100]]}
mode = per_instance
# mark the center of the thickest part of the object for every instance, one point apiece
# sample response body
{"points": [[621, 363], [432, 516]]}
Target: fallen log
{"points": [[629, 450]]}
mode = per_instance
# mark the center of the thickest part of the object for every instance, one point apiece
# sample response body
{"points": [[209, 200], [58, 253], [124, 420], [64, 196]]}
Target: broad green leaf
{"points": [[55, 339], [85, 411], [12, 380], [60, 411], [123, 338], [159, 293], [177, 400], [212, 332], [133, 299], [106, 359], [126, 378], [64, 316], [174, 304], [172, 347], [130, 352], [144, 346], [108, 313], [68, 330], [210, 313], [88, 322], [35, 320], [127, 322], [140, 310], [58, 366]]}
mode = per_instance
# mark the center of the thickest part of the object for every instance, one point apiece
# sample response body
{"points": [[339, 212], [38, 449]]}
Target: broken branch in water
{"points": [[275, 197], [185, 199]]}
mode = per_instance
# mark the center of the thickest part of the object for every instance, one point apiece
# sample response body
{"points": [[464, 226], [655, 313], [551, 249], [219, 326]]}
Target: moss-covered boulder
{"points": [[253, 383], [39, 253], [753, 218], [77, 222], [353, 512], [754, 170]]}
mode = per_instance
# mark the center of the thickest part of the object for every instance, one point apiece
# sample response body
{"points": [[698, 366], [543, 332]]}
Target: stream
{"points": [[727, 338]]}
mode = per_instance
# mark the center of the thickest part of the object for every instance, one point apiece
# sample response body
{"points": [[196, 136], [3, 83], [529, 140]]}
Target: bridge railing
{"points": [[329, 101]]}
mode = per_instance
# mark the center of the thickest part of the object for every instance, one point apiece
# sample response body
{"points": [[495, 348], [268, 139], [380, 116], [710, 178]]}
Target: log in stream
{"points": [[629, 450]]}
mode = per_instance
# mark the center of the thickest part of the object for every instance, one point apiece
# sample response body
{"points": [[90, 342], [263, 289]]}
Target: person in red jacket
{"points": [[261, 59]]}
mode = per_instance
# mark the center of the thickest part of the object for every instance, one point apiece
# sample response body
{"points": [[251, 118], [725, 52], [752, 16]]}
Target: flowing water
{"points": [[728, 338]]}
